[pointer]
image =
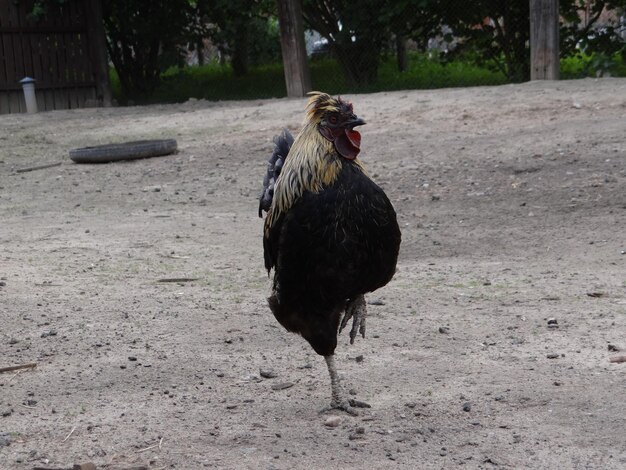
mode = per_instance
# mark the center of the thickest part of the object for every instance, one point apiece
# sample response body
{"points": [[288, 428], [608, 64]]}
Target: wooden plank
{"points": [[27, 54], [60, 55], [9, 17], [16, 102], [98, 53], [77, 58], [4, 103], [544, 39], [48, 86], [61, 98], [3, 63], [18, 46], [47, 68], [48, 100], [297, 75], [9, 53], [42, 30]]}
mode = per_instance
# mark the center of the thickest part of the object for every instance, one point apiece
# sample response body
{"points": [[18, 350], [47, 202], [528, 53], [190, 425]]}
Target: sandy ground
{"points": [[512, 202]]}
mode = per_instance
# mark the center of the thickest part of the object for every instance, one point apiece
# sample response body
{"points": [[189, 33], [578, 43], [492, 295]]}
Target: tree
{"points": [[139, 35], [497, 30], [238, 27], [355, 32], [581, 30], [359, 31]]}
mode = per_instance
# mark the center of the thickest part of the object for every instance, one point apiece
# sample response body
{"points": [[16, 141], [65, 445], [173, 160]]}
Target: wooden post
{"points": [[297, 76], [98, 52], [544, 39]]}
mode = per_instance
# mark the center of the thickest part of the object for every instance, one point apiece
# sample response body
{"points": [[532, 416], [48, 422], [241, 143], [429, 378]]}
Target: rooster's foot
{"points": [[356, 310], [349, 406]]}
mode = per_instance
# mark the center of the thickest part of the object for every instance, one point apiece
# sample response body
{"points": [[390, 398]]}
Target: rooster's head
{"points": [[336, 121]]}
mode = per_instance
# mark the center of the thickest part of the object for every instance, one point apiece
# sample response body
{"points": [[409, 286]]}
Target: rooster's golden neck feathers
{"points": [[313, 162]]}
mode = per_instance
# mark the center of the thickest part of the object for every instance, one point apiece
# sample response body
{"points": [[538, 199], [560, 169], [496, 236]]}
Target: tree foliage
{"points": [[359, 31], [141, 34], [146, 36], [493, 31], [240, 29], [580, 30], [498, 32]]}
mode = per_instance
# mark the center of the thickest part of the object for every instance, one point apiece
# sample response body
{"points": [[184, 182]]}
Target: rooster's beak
{"points": [[353, 122]]}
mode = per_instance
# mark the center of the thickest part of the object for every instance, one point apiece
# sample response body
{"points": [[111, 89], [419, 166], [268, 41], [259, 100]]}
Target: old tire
{"points": [[124, 151]]}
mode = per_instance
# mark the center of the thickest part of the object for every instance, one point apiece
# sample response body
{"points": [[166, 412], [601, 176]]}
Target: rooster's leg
{"points": [[339, 400], [356, 310]]}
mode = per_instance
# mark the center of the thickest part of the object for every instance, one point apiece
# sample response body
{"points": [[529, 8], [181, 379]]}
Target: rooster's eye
{"points": [[332, 119]]}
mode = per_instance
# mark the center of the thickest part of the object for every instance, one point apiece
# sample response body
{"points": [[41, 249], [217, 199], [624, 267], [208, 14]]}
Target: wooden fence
{"points": [[63, 50]]}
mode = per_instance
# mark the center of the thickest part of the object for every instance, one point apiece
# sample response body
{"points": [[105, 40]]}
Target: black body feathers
{"points": [[282, 144], [327, 249]]}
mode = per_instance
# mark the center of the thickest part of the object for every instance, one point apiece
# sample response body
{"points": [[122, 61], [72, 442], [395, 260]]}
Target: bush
{"points": [[593, 65], [218, 82]]}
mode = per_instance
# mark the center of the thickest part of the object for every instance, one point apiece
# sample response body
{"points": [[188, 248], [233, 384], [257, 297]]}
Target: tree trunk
{"points": [[401, 54], [239, 57], [297, 75], [200, 51], [359, 61], [544, 39], [99, 53]]}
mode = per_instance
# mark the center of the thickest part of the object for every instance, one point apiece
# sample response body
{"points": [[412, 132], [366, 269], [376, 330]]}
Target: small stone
{"points": [[467, 406], [5, 439], [332, 421], [4, 414], [132, 358], [84, 466], [2, 283], [359, 358], [444, 330], [614, 348], [552, 321], [376, 302], [552, 355], [282, 385], [357, 434], [267, 373], [410, 404]]}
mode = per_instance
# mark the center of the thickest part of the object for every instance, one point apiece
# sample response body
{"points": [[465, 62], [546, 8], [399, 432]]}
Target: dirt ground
{"points": [[489, 349]]}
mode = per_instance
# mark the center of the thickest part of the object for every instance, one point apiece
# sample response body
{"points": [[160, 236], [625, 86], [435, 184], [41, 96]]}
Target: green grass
{"points": [[594, 65], [215, 82]]}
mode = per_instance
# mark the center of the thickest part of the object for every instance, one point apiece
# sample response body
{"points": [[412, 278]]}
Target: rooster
{"points": [[330, 233]]}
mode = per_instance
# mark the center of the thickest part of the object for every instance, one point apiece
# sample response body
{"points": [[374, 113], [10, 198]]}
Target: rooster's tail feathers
{"points": [[282, 144]]}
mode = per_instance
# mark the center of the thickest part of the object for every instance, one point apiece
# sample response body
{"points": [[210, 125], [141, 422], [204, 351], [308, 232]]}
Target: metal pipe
{"points": [[28, 85]]}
